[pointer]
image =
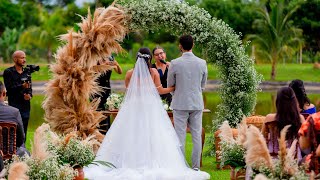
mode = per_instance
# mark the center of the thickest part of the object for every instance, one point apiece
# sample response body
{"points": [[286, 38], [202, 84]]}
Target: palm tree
{"points": [[277, 37], [45, 35]]}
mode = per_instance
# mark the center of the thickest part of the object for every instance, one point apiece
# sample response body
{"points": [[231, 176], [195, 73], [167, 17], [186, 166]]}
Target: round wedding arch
{"points": [[66, 104], [219, 43]]}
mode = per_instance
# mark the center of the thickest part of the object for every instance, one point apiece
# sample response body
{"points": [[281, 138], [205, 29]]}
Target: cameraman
{"points": [[19, 93]]}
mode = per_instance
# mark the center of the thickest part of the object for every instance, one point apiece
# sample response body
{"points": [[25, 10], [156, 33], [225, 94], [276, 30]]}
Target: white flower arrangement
{"points": [[220, 45], [232, 151], [166, 106], [56, 156], [114, 101], [72, 150], [49, 168]]}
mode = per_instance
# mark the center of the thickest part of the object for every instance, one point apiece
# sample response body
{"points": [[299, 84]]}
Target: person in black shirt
{"points": [[19, 93], [162, 66], [104, 81]]}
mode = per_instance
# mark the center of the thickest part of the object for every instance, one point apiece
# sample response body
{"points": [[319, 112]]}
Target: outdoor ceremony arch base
{"points": [[219, 44]]}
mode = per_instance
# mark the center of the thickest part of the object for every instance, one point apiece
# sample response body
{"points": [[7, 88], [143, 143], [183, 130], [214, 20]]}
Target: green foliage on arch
{"points": [[219, 43]]}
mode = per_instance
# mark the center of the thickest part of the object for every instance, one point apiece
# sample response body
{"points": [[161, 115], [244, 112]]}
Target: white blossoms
{"points": [[166, 106], [114, 102]]}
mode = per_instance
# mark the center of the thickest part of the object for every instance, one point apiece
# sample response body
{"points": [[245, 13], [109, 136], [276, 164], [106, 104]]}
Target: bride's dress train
{"points": [[142, 142]]}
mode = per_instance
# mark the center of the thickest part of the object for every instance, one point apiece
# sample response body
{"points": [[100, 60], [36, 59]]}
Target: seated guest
{"points": [[309, 141], [11, 114], [305, 105], [287, 114]]}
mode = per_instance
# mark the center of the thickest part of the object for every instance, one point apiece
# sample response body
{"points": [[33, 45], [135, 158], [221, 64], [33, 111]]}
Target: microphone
{"points": [[162, 61]]}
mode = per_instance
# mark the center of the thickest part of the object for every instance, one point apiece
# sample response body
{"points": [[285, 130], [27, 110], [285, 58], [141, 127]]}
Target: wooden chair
{"points": [[8, 137], [256, 120]]}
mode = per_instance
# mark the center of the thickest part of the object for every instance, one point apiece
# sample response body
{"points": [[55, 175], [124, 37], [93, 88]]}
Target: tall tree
{"points": [[45, 35], [9, 42], [11, 15], [276, 37], [237, 14], [308, 18], [31, 11]]}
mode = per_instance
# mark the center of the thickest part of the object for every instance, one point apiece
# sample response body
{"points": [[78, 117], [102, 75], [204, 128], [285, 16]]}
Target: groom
{"points": [[189, 75]]}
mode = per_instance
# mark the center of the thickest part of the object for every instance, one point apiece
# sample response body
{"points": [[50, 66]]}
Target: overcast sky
{"points": [[80, 2]]}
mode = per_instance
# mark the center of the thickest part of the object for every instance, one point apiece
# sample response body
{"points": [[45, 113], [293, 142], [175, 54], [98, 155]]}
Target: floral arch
{"points": [[66, 105], [220, 44]]}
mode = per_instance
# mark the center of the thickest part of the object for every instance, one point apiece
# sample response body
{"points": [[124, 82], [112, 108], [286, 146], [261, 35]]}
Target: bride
{"points": [[142, 143]]}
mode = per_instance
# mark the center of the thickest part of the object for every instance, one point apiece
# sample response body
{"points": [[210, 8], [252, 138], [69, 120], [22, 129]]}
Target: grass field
{"points": [[285, 72]]}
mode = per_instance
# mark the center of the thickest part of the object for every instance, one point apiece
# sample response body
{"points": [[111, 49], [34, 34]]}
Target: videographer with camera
{"points": [[17, 80]]}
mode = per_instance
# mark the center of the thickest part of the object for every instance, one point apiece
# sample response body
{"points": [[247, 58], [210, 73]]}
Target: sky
{"points": [[80, 2]]}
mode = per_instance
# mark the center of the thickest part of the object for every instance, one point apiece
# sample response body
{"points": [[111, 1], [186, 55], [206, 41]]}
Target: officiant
{"points": [[162, 66], [104, 81]]}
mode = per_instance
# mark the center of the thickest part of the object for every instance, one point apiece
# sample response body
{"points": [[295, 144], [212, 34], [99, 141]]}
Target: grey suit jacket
{"points": [[188, 74], [12, 114]]}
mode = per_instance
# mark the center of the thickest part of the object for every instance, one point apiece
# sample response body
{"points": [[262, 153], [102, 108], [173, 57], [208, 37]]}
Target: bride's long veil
{"points": [[142, 127], [141, 86], [142, 142]]}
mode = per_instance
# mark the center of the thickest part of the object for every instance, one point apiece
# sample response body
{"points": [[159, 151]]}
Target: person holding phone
{"points": [[104, 81]]}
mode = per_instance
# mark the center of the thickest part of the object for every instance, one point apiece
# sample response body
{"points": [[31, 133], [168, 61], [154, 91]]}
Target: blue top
{"points": [[310, 111]]}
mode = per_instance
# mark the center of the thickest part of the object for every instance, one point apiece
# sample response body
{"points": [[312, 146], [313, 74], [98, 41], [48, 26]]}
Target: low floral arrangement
{"points": [[262, 164], [232, 149], [54, 156], [71, 149], [114, 101]]}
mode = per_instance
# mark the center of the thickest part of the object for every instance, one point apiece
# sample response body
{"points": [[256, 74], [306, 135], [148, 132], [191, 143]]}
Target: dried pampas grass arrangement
{"points": [[226, 132], [286, 167], [67, 106], [242, 132], [39, 145], [257, 151], [18, 171]]}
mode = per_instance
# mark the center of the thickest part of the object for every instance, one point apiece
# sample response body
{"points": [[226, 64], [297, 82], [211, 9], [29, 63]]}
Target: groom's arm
{"points": [[171, 79], [204, 77]]}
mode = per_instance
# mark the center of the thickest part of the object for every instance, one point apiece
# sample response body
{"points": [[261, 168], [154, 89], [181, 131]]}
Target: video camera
{"points": [[26, 78]]}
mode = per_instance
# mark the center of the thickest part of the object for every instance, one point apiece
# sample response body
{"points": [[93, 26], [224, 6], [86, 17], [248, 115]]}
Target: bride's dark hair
{"points": [[143, 53]]}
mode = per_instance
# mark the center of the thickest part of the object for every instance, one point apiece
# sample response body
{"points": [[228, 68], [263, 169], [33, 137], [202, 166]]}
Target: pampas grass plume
{"points": [[226, 132], [242, 132], [39, 147], [17, 171], [261, 177], [257, 152]]}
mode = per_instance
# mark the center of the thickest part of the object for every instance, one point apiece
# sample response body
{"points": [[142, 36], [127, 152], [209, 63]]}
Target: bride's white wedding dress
{"points": [[142, 142]]}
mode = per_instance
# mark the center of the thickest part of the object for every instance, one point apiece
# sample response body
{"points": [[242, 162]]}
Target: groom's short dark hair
{"points": [[186, 42]]}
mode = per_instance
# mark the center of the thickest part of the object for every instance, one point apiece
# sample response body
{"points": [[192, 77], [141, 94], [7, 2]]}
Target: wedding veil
{"points": [[142, 142], [141, 86]]}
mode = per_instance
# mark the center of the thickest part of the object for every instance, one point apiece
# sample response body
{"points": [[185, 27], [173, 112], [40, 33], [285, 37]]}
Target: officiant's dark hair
{"points": [[147, 51], [186, 42]]}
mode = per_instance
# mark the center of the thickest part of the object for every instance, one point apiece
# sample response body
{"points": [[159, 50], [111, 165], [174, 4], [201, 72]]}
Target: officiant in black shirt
{"points": [[162, 66]]}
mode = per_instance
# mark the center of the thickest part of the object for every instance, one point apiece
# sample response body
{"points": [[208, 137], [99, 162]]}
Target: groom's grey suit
{"points": [[189, 75]]}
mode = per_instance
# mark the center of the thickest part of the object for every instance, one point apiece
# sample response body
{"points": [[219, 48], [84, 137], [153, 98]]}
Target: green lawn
{"points": [[286, 72], [208, 163]]}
